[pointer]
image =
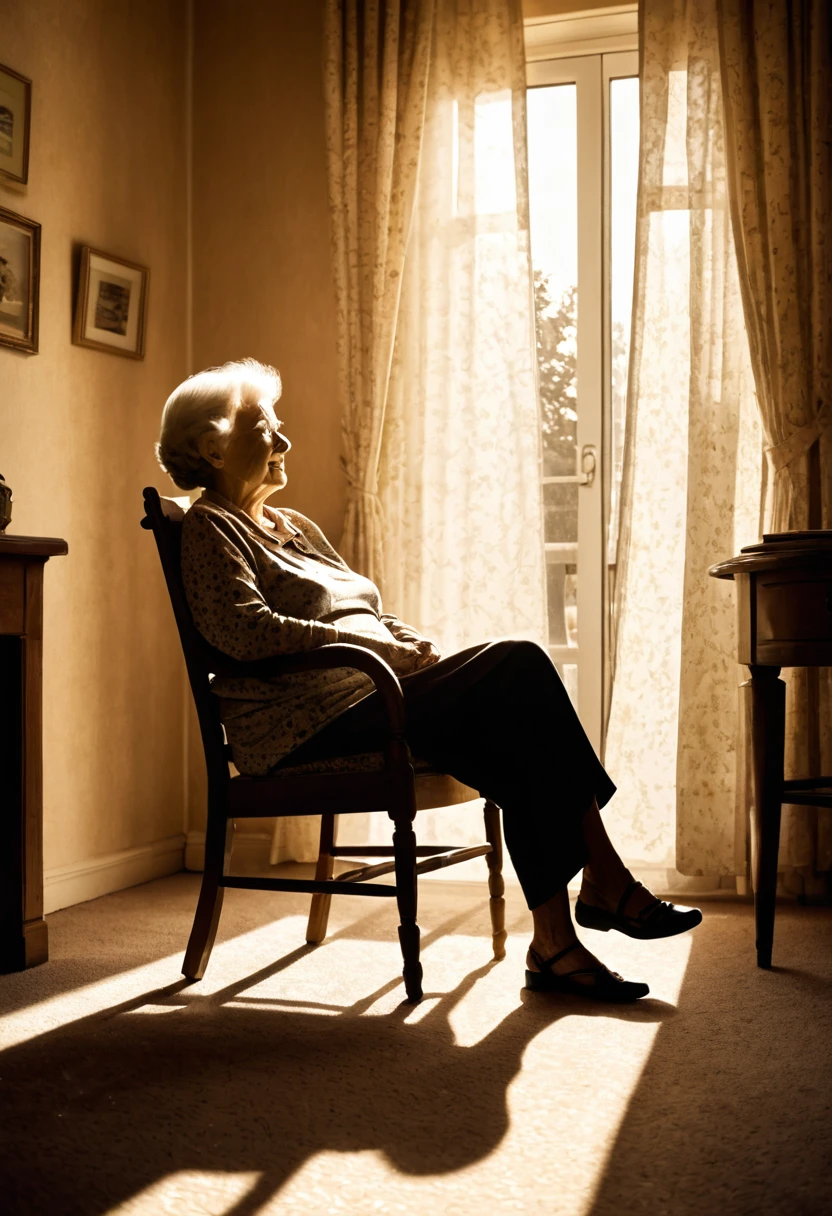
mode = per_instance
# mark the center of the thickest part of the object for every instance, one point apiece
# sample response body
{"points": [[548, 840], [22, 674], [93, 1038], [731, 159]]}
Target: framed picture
{"points": [[15, 115], [19, 281], [112, 304]]}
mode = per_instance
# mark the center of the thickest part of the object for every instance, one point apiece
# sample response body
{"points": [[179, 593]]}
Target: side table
{"points": [[23, 933], [784, 616]]}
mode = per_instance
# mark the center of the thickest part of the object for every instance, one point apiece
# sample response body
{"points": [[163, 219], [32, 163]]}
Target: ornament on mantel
{"points": [[5, 504]]}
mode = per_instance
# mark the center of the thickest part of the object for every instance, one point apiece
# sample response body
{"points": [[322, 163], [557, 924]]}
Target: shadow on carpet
{"points": [[100, 1109], [732, 1113]]}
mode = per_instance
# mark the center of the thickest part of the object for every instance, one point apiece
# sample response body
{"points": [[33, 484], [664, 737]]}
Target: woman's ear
{"points": [[210, 448]]}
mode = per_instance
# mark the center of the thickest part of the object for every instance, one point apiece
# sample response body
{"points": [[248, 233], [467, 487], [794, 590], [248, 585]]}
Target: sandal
{"points": [[606, 986], [658, 919]]}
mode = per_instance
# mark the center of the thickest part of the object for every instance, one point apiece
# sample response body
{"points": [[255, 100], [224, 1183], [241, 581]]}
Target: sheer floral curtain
{"points": [[777, 77], [376, 62], [460, 457], [693, 473], [441, 439]]}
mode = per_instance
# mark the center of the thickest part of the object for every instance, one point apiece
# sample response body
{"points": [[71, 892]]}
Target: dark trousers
{"points": [[498, 718]]}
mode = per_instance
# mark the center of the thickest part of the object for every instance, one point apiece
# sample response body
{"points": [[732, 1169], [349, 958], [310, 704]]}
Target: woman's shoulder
{"points": [[311, 532], [205, 517], [208, 524], [207, 512]]}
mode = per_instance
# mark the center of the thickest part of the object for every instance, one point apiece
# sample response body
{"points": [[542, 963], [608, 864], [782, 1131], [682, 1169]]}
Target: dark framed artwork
{"points": [[19, 281], [111, 308], [15, 118]]}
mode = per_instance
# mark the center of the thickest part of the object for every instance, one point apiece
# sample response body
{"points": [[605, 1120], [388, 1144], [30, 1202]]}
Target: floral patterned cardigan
{"points": [[256, 592]]}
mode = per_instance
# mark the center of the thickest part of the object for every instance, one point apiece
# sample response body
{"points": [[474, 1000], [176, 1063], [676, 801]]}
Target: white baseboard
{"points": [[250, 849], [82, 880]]}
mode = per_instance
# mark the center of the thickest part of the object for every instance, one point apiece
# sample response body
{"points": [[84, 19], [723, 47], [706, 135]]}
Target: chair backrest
{"points": [[164, 519]]}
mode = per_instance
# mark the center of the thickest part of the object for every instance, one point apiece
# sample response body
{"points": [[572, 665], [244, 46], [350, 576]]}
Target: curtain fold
{"points": [[376, 62], [426, 139], [692, 472], [776, 64], [460, 462]]}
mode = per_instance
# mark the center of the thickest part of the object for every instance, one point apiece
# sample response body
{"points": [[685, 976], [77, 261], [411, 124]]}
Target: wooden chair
{"points": [[386, 782]]}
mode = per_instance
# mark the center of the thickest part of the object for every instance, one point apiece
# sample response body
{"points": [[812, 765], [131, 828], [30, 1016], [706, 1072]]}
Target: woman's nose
{"points": [[281, 443]]}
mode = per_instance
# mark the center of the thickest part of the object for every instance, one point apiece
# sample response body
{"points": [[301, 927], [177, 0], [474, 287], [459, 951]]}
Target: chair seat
{"points": [[433, 789], [363, 762]]}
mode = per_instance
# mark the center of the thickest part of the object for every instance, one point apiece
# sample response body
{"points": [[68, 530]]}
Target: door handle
{"points": [[589, 463]]}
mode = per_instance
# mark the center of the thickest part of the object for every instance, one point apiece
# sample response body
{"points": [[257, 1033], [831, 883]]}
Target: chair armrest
{"points": [[334, 654]]}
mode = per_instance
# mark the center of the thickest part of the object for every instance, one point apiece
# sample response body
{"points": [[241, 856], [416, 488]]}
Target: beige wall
{"points": [[262, 266], [77, 426]]}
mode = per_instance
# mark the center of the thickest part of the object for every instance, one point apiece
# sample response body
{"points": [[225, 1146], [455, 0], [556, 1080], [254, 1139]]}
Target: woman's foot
{"points": [[620, 902], [578, 957], [574, 969], [606, 890], [558, 962]]}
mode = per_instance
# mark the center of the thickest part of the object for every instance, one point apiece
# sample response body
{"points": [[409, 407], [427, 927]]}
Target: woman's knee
{"points": [[523, 652]]}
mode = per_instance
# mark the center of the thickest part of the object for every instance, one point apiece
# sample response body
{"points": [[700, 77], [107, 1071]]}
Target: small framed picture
{"points": [[15, 115], [112, 304], [19, 281]]}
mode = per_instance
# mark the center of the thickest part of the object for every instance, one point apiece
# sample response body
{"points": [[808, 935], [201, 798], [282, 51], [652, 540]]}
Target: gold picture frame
{"points": [[111, 305], [19, 281], [15, 122]]}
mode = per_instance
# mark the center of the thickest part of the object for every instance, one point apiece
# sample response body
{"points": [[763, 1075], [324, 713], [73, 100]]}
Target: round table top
{"points": [[810, 549]]}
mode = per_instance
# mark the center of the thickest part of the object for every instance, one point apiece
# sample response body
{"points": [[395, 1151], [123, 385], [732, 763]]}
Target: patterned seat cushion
{"points": [[433, 789], [365, 762]]}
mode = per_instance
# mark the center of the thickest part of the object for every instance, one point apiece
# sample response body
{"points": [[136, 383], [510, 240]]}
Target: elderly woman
{"points": [[262, 582]]}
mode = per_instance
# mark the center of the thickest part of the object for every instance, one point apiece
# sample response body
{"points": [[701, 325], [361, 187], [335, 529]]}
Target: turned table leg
{"points": [[768, 701]]}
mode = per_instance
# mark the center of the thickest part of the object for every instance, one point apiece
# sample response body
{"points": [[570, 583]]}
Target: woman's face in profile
{"points": [[255, 448]]}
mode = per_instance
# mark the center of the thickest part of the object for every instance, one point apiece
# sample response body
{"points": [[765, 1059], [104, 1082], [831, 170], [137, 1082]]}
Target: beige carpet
{"points": [[293, 1080]]}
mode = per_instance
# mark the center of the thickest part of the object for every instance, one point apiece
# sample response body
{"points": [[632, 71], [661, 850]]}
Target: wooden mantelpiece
{"points": [[23, 935]]}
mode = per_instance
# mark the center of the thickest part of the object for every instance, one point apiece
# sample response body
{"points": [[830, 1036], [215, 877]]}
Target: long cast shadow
{"points": [[101, 1109], [732, 1113]]}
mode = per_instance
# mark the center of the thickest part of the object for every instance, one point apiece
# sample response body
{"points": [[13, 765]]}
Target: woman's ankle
{"points": [[608, 883], [547, 945]]}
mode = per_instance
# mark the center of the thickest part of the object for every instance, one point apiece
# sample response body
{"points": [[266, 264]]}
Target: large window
{"points": [[583, 167]]}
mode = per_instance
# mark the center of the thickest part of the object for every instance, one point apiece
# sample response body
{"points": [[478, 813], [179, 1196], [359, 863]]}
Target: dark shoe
{"points": [[606, 985], [658, 919]]}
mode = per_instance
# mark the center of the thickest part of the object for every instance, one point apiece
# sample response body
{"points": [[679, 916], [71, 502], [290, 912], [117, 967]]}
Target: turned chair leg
{"points": [[218, 839], [496, 884], [319, 908], [404, 852]]}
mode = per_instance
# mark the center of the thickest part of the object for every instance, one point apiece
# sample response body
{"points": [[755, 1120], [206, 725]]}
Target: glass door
{"points": [[583, 166]]}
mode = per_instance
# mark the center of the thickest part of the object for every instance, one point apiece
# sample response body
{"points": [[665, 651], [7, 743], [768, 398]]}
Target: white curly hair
{"points": [[207, 401]]}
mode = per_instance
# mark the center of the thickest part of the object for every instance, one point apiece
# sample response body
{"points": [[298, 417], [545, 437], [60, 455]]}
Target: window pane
{"points": [[624, 140], [560, 513], [569, 675], [553, 203], [562, 591], [554, 213]]}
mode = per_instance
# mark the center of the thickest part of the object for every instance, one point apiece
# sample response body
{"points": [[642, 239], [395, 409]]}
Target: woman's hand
{"points": [[408, 636], [407, 657], [428, 654]]}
